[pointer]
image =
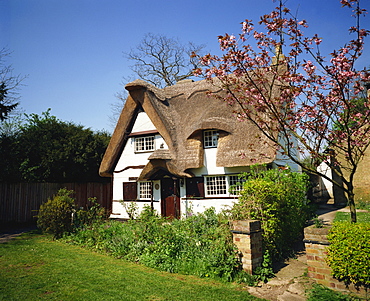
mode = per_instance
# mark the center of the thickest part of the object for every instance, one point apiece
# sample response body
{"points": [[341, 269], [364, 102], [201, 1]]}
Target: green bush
{"points": [[94, 213], [199, 245], [349, 252], [278, 199], [59, 216], [265, 271], [55, 216]]}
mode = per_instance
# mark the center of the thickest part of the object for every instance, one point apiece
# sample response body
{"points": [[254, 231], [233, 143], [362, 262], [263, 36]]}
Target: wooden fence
{"points": [[19, 202]]}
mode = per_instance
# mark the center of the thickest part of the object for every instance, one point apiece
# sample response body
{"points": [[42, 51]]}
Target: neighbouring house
{"points": [[179, 150], [361, 180]]}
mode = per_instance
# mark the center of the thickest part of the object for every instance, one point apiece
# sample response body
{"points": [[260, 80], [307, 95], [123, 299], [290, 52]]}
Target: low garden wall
{"points": [[316, 244], [247, 236]]}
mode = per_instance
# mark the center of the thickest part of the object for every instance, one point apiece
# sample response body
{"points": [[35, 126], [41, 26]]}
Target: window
{"points": [[195, 187], [220, 185], [216, 185], [210, 138], [129, 191], [145, 190], [236, 184], [144, 144]]}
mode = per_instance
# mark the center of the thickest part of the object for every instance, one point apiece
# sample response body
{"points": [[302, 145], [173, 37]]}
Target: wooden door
{"points": [[170, 198]]}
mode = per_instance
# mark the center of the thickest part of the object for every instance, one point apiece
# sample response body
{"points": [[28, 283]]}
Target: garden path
{"points": [[291, 282]]}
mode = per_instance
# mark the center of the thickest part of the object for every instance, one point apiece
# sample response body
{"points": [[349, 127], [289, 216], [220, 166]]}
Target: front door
{"points": [[170, 196]]}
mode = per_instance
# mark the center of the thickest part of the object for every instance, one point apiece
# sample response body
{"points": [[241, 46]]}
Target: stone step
{"points": [[288, 296]]}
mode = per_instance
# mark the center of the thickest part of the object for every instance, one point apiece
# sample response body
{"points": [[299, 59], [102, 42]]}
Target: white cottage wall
{"points": [[209, 168], [128, 169]]}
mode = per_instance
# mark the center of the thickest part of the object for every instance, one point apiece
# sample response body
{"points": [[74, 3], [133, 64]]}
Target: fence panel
{"points": [[19, 202]]}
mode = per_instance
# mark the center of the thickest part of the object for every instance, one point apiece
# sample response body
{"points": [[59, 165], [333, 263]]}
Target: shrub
{"points": [[278, 199], [131, 208], [92, 214], [58, 215], [55, 216], [349, 252], [199, 245], [265, 271]]}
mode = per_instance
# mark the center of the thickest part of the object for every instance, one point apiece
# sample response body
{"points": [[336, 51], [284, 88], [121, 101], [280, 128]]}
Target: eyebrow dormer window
{"points": [[144, 144], [210, 138]]}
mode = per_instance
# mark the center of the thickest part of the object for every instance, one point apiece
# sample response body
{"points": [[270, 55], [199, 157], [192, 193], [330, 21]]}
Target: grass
{"points": [[362, 217], [321, 293], [363, 204], [34, 267]]}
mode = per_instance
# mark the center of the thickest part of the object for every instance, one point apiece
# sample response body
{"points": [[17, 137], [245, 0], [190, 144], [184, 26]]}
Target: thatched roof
{"points": [[180, 113]]}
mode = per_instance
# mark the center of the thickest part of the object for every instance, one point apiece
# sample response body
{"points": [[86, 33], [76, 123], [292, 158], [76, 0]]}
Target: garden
{"points": [[83, 253]]}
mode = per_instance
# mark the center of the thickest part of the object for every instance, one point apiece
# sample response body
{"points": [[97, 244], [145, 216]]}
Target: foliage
{"points": [[162, 61], [301, 95], [318, 222], [32, 267], [94, 213], [9, 83], [55, 216], [245, 278], [5, 109], [131, 208], [278, 199], [199, 245], [59, 215], [265, 271], [349, 252], [46, 149], [321, 293]]}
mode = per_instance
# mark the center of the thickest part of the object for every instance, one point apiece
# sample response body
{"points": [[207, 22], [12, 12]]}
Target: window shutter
{"points": [[195, 187], [129, 191]]}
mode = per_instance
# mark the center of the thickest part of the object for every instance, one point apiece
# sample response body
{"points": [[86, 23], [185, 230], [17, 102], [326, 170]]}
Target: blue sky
{"points": [[71, 50]]}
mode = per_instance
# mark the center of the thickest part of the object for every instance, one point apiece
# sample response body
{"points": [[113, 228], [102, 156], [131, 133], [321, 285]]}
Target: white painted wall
{"points": [[209, 168], [118, 210], [130, 158], [143, 123], [325, 169]]}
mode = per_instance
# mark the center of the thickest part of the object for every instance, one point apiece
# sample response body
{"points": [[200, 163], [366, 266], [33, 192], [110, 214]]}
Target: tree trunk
{"points": [[351, 203]]}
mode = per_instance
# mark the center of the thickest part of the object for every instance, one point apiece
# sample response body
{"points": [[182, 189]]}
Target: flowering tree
{"points": [[304, 96]]}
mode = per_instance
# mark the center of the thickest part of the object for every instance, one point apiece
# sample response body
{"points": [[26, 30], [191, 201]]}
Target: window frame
{"points": [[145, 144], [195, 188], [209, 187], [210, 141], [144, 193], [129, 191], [226, 181], [237, 180]]}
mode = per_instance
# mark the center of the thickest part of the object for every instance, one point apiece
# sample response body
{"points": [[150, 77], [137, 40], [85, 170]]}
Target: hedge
{"points": [[349, 252]]}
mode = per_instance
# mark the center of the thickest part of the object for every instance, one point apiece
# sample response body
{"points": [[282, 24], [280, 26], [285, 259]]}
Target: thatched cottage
{"points": [[178, 149]]}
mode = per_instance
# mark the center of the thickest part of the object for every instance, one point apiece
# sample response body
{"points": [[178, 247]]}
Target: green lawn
{"points": [[362, 217], [33, 267]]}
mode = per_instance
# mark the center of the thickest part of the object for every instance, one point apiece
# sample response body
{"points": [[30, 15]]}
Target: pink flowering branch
{"points": [[302, 96]]}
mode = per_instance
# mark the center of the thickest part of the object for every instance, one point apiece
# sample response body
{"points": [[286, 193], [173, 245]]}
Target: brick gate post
{"points": [[247, 236]]}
